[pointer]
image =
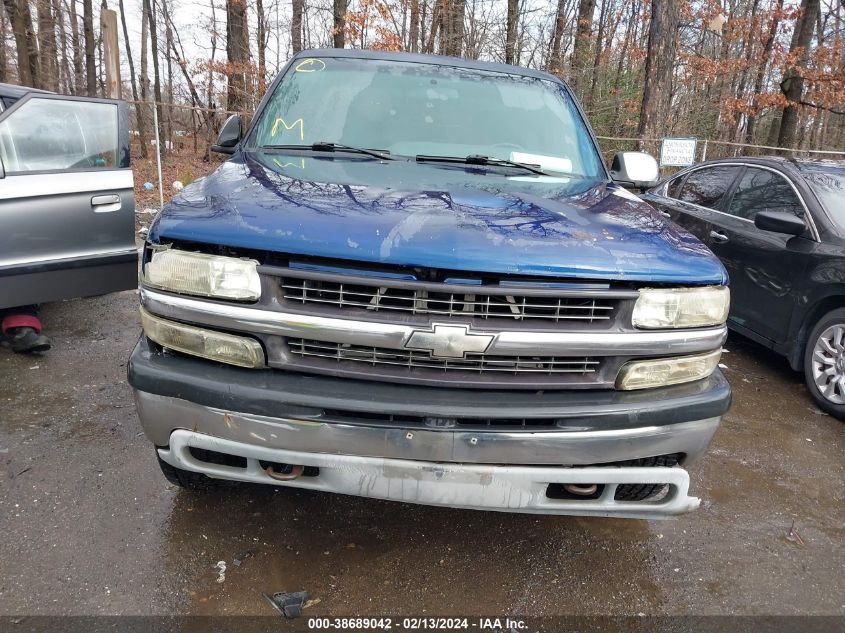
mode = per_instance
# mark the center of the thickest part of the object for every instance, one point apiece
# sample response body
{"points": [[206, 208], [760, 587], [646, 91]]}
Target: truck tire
{"points": [[825, 352], [189, 480], [641, 492]]}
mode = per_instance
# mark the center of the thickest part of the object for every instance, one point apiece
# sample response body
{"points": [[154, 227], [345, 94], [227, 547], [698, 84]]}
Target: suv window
{"points": [[411, 108], [706, 187], [763, 190], [53, 134]]}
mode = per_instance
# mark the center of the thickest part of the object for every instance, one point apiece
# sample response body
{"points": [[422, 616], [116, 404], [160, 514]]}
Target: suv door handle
{"points": [[109, 198], [719, 237], [106, 203]]}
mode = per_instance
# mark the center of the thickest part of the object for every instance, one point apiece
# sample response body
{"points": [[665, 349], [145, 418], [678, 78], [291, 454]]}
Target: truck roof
{"points": [[419, 58]]}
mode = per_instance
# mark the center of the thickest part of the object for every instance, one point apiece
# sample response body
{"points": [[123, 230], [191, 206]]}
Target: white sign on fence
{"points": [[677, 152]]}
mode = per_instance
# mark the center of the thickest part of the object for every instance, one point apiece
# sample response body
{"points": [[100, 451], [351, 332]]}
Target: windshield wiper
{"points": [[477, 159], [324, 146]]}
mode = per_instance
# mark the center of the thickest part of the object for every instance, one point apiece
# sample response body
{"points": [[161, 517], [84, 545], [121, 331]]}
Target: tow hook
{"points": [[582, 490], [295, 473]]}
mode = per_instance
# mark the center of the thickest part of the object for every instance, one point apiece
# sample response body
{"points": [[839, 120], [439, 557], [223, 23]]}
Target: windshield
{"points": [[412, 109], [829, 188]]}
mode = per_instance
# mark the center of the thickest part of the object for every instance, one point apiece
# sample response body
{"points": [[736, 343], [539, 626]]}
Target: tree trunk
{"points": [[4, 54], [761, 71], [63, 68], [452, 27], [88, 30], [296, 25], [49, 64], [555, 64], [594, 80], [152, 23], [657, 91], [414, 30], [237, 55], [792, 85], [25, 42], [76, 46], [339, 14], [511, 34], [262, 37], [581, 49], [139, 115]]}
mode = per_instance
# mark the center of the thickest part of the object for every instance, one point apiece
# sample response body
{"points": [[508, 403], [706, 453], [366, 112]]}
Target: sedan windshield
{"points": [[416, 109], [829, 188]]}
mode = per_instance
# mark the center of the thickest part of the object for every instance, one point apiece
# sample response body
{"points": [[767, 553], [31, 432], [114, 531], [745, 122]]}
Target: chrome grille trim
{"points": [[259, 321], [413, 359], [465, 303]]}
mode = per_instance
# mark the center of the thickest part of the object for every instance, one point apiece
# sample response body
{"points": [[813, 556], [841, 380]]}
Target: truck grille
{"points": [[414, 359], [420, 301]]}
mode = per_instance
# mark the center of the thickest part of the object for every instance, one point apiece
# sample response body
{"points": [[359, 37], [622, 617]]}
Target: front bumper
{"points": [[276, 417]]}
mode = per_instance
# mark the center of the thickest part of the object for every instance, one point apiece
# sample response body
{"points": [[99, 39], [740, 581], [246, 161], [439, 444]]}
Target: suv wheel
{"points": [[824, 363]]}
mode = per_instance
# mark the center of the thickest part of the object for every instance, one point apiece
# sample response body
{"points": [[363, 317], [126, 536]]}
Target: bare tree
{"points": [[4, 53], [296, 26], [555, 64], [581, 49], [339, 23], [657, 91], [237, 54], [792, 85], [25, 42], [512, 23], [139, 110], [90, 64], [48, 62]]}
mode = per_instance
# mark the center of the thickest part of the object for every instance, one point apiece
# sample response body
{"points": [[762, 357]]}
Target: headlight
{"points": [[203, 275], [681, 307], [641, 374], [219, 346]]}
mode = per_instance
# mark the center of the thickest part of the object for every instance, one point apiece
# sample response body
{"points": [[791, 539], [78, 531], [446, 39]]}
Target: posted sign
{"points": [[677, 152]]}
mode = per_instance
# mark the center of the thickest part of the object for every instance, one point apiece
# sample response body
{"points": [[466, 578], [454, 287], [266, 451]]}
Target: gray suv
{"points": [[67, 203]]}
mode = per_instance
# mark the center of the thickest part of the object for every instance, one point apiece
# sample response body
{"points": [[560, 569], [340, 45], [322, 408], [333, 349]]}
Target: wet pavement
{"points": [[89, 525]]}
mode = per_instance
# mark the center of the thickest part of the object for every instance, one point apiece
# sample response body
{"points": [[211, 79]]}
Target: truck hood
{"points": [[452, 217]]}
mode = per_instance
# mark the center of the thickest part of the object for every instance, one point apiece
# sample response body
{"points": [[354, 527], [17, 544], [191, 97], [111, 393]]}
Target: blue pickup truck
{"points": [[414, 279]]}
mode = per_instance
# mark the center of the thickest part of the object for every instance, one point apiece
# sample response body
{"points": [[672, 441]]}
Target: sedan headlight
{"points": [[203, 275], [681, 307], [642, 374], [189, 339]]}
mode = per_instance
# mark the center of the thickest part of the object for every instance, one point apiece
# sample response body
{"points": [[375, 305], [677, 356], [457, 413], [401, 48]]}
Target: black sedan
{"points": [[778, 225]]}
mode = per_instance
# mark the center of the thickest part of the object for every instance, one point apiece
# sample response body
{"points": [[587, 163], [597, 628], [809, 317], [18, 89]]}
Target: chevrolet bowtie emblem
{"points": [[449, 341]]}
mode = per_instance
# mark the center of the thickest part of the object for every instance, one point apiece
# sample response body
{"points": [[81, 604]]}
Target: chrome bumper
{"points": [[507, 471], [480, 487], [160, 415]]}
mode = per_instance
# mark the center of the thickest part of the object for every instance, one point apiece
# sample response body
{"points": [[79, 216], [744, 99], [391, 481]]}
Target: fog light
{"points": [[203, 275], [642, 374], [225, 348]]}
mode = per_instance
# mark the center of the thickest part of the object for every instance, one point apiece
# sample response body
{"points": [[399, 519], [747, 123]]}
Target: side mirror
{"points": [[780, 222], [230, 136], [634, 169]]}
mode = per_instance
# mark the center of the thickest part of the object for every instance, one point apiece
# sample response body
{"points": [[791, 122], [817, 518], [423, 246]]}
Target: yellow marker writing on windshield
{"points": [[300, 165], [287, 127], [310, 66]]}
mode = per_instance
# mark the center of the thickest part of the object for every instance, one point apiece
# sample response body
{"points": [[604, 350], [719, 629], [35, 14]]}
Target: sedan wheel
{"points": [[829, 364], [824, 363]]}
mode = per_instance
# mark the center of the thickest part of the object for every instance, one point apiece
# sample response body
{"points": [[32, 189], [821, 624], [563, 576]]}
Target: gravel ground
{"points": [[91, 527]]}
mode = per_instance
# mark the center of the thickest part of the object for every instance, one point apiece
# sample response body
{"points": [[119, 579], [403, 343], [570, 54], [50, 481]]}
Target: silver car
{"points": [[67, 204]]}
